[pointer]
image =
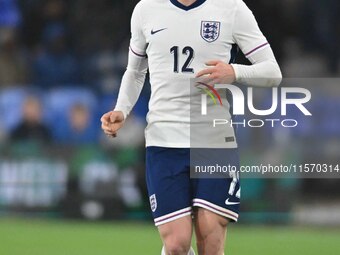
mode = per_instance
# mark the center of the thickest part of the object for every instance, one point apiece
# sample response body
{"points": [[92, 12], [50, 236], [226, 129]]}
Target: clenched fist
{"points": [[112, 122]]}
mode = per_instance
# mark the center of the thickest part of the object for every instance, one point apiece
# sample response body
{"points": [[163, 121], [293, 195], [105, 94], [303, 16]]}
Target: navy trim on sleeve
{"points": [[137, 54], [257, 48]]}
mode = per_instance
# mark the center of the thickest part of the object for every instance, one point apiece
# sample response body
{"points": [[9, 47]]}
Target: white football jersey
{"points": [[178, 41]]}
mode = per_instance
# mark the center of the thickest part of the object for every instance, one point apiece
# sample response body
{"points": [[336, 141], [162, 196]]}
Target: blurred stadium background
{"points": [[65, 188]]}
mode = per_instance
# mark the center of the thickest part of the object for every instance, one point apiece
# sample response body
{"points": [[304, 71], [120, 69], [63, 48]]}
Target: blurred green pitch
{"points": [[52, 237]]}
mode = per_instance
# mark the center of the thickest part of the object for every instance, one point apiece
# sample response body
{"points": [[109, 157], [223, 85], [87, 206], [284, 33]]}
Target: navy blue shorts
{"points": [[173, 193]]}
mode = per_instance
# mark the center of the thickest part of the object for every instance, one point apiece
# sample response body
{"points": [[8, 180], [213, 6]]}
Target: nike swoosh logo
{"points": [[157, 31], [231, 203]]}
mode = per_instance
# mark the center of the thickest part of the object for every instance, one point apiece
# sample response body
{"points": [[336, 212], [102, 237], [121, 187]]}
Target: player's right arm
{"points": [[133, 78]]}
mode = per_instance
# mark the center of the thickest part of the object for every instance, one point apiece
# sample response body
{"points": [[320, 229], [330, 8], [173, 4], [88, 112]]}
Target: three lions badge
{"points": [[153, 202], [210, 30]]}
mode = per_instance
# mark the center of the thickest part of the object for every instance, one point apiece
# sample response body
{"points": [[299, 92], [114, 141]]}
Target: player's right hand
{"points": [[111, 122]]}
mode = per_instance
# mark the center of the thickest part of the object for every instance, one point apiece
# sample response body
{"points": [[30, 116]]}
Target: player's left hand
{"points": [[218, 72]]}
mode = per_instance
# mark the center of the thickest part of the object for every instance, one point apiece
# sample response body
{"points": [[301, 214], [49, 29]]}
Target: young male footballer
{"points": [[178, 40]]}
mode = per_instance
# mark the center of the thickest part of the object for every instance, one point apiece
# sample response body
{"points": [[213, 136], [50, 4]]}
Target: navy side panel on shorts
{"points": [[168, 182]]}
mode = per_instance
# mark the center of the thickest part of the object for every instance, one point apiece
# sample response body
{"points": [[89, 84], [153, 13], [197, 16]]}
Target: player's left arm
{"points": [[264, 71]]}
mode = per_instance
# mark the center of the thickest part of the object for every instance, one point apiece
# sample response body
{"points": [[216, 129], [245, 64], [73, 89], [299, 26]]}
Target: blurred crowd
{"points": [[52, 47], [61, 62], [55, 42]]}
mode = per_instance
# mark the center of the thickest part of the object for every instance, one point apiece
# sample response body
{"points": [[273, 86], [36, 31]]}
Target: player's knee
{"points": [[176, 249], [176, 245], [176, 236], [210, 243]]}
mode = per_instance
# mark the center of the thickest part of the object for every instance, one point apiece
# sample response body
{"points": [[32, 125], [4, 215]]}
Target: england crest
{"points": [[210, 30], [153, 202]]}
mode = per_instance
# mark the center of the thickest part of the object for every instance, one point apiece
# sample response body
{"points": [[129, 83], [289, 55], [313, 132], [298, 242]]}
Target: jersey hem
{"points": [[187, 145]]}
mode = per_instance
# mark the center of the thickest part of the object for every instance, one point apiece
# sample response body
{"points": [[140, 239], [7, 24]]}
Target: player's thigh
{"points": [[177, 234], [210, 231], [209, 224], [168, 183]]}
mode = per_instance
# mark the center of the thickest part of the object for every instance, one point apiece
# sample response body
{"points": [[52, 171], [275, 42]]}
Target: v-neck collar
{"points": [[187, 8]]}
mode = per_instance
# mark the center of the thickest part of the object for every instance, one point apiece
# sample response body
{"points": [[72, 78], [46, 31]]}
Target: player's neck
{"points": [[187, 2]]}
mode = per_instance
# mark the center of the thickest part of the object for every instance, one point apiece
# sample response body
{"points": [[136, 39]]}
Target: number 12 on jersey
{"points": [[189, 52]]}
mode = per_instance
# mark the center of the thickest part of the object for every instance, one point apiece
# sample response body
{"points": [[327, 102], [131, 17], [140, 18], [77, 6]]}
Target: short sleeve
{"points": [[246, 32], [138, 41]]}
